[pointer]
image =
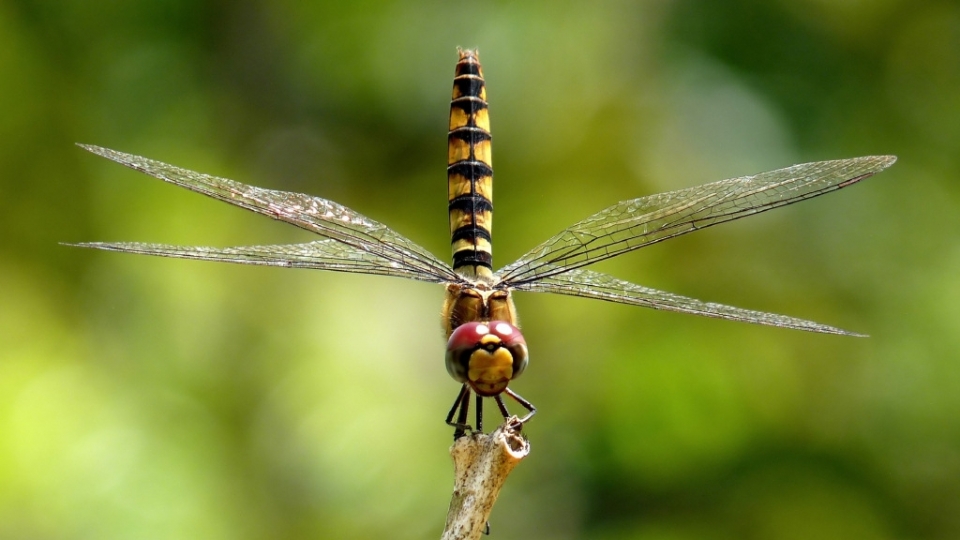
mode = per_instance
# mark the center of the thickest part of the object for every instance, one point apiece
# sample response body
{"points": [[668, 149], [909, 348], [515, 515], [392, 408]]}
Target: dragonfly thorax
{"points": [[466, 303]]}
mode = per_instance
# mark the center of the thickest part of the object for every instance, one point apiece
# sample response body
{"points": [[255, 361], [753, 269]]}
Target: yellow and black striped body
{"points": [[470, 172], [470, 192]]}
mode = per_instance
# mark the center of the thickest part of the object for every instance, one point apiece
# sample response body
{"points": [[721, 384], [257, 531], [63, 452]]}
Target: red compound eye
{"points": [[467, 336], [508, 333]]}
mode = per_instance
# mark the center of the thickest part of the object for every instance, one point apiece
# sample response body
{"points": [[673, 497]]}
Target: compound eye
{"points": [[509, 334], [463, 341], [467, 336]]}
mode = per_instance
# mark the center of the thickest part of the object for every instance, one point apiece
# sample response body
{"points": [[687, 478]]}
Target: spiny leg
{"points": [[502, 406], [456, 405], [526, 405], [463, 403], [462, 417], [480, 413], [464, 409]]}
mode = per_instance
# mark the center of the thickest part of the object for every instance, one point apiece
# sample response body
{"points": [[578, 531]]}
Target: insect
{"points": [[485, 349]]}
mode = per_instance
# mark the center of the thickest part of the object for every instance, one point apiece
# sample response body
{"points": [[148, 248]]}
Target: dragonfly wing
{"points": [[327, 254], [590, 284], [326, 218], [632, 224]]}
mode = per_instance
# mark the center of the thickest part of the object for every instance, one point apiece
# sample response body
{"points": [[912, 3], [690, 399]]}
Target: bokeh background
{"points": [[161, 399]]}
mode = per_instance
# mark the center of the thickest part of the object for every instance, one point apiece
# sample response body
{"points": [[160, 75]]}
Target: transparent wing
{"points": [[590, 284], [327, 254], [632, 224], [359, 237]]}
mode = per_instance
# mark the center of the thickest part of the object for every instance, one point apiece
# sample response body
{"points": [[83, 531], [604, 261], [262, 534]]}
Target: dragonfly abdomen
{"points": [[470, 171]]}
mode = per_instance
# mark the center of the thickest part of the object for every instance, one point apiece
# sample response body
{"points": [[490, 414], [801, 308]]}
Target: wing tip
{"points": [[123, 158], [819, 328], [885, 161], [85, 245], [848, 333], [99, 150], [876, 163]]}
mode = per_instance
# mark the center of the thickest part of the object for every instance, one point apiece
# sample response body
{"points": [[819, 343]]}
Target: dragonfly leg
{"points": [[501, 406], [463, 403], [479, 413], [526, 405]]}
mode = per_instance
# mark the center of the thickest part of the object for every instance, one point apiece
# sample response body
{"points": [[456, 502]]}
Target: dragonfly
{"points": [[485, 349]]}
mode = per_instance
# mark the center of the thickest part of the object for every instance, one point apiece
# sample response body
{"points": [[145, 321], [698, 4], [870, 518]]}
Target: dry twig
{"points": [[481, 465]]}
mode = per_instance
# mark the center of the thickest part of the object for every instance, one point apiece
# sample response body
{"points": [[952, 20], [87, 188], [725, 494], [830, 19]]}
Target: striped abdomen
{"points": [[470, 171]]}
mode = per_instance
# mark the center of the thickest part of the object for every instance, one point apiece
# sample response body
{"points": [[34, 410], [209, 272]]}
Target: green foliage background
{"points": [[158, 399]]}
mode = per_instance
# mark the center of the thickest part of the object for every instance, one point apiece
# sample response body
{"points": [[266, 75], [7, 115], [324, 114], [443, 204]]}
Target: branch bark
{"points": [[481, 466]]}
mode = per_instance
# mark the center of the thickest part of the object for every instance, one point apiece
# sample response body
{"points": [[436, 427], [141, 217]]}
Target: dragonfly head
{"points": [[486, 355], [475, 302]]}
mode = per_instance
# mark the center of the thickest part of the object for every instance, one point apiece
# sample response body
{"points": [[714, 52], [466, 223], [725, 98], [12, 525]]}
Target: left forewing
{"points": [[356, 233]]}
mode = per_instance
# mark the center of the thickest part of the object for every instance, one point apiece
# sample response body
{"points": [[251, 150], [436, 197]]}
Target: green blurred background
{"points": [[161, 399]]}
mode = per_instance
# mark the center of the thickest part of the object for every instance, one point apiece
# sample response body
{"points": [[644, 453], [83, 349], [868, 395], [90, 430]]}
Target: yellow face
{"points": [[490, 367]]}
